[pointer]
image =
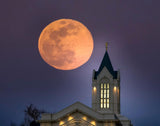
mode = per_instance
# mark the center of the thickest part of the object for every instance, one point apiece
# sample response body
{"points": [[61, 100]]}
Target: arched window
{"points": [[104, 95]]}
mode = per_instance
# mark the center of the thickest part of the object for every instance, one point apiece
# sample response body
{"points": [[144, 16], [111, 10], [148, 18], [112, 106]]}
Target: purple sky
{"points": [[132, 29]]}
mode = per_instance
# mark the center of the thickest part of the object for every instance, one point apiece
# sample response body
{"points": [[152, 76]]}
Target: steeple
{"points": [[106, 63], [106, 87]]}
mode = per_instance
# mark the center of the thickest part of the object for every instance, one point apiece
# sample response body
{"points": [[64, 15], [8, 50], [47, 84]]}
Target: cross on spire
{"points": [[106, 45]]}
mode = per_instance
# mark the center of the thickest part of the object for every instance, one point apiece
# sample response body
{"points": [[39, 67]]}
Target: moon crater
{"points": [[65, 44]]}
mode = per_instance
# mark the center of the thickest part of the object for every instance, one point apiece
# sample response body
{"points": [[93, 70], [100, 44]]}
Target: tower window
{"points": [[104, 95]]}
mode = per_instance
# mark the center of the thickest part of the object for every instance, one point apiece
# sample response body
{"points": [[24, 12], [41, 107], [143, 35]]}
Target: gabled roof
{"points": [[78, 107], [106, 63], [83, 109]]}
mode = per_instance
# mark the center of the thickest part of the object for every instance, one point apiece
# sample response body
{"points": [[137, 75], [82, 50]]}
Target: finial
{"points": [[106, 45]]}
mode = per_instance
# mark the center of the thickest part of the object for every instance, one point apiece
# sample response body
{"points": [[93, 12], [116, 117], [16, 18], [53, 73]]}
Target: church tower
{"points": [[106, 87]]}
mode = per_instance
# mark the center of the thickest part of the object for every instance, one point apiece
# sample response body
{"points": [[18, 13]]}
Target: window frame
{"points": [[104, 95]]}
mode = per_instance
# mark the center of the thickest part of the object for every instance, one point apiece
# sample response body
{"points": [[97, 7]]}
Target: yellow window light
{"points": [[93, 123], [84, 118], [94, 89], [107, 85], [115, 88], [61, 123], [70, 118]]}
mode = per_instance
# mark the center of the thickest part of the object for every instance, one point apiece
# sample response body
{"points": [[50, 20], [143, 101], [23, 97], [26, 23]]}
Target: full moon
{"points": [[65, 44]]}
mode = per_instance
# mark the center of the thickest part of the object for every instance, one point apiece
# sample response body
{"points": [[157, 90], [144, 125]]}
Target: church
{"points": [[105, 110]]}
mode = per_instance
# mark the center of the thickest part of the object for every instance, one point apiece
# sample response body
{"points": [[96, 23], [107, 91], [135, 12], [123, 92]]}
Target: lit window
{"points": [[115, 89], [101, 103], [107, 103], [70, 118], [104, 95], [107, 95], [61, 123], [107, 85], [104, 103], [93, 123], [94, 89], [84, 118]]}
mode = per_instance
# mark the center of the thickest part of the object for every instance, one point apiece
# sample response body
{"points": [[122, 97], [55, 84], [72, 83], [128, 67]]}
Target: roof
{"points": [[106, 63], [77, 107]]}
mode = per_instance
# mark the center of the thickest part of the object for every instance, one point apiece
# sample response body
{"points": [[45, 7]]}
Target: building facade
{"points": [[105, 109]]}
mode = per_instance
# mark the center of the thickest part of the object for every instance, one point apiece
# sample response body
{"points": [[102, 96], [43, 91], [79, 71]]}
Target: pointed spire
{"points": [[106, 63]]}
